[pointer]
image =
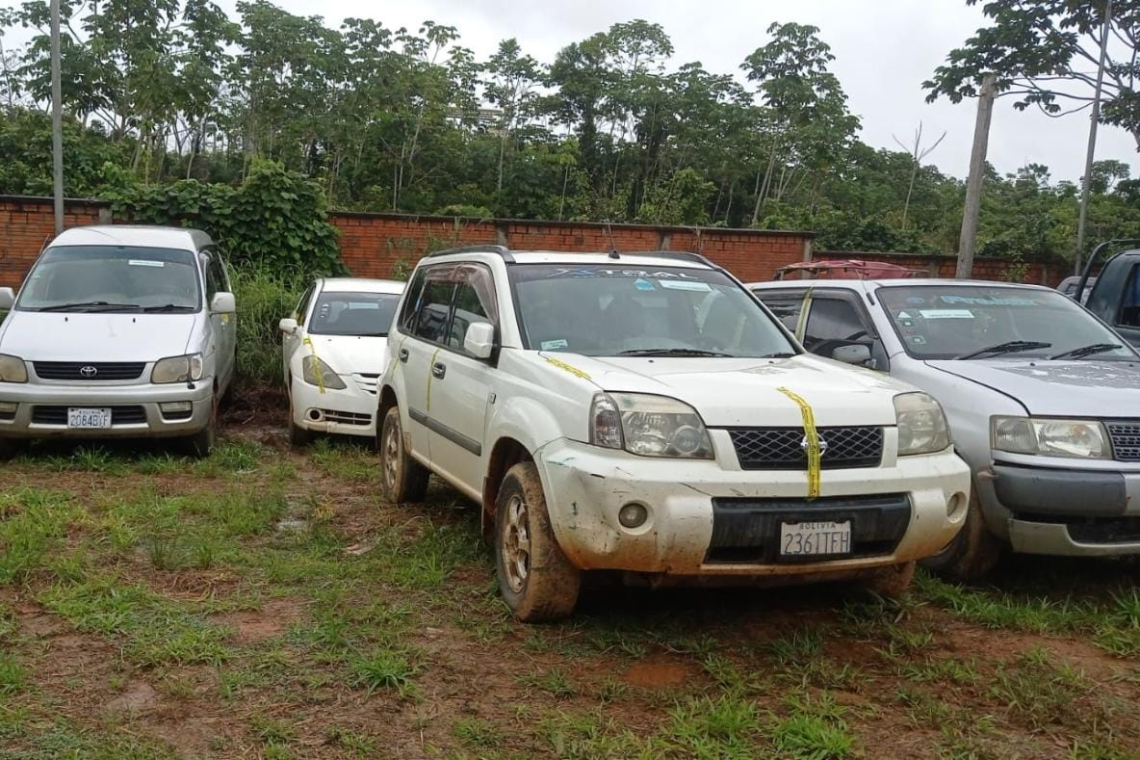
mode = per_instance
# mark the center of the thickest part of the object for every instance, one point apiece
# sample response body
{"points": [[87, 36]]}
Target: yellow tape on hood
{"points": [[814, 454]]}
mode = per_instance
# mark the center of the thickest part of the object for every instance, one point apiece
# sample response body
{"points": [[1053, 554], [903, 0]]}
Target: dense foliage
{"points": [[173, 91]]}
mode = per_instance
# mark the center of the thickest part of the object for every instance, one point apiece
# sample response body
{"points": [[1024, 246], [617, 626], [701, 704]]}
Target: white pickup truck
{"points": [[644, 413]]}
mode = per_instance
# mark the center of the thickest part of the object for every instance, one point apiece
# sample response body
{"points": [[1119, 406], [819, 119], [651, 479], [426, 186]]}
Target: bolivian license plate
{"points": [[815, 538], [88, 419]]}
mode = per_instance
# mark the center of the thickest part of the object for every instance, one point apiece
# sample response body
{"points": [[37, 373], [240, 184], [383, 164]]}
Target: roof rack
{"points": [[501, 250], [694, 258]]}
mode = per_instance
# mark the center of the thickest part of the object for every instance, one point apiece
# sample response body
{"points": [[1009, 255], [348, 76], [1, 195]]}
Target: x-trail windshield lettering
{"points": [[108, 279]]}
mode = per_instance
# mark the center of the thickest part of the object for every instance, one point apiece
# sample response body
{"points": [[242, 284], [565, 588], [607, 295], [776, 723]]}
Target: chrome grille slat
{"points": [[782, 448], [1125, 435], [80, 371]]}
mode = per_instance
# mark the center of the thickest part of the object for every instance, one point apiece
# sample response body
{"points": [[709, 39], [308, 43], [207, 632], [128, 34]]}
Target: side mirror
{"points": [[223, 303], [288, 326], [480, 340], [857, 354], [7, 299]]}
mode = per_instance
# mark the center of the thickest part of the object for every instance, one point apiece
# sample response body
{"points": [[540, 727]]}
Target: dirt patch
{"points": [[255, 626], [138, 696], [659, 673]]}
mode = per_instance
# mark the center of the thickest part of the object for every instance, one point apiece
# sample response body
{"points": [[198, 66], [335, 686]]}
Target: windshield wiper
{"points": [[673, 352], [167, 307], [1083, 351], [784, 355], [1009, 347], [92, 306]]}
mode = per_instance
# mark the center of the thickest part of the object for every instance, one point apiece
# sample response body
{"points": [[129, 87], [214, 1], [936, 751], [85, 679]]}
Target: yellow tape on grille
{"points": [[431, 369], [812, 435], [569, 368], [315, 364]]}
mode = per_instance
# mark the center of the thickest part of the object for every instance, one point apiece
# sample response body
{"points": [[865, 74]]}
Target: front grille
{"points": [[783, 449], [89, 371], [1125, 437], [57, 415], [347, 418], [747, 531], [367, 382]]}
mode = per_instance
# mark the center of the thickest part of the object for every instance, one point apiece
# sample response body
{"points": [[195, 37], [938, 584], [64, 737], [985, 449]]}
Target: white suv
{"points": [[644, 413]]}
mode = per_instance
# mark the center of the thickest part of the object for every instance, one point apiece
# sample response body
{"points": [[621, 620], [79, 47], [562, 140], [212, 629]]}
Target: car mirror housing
{"points": [[480, 340], [857, 354], [223, 303], [288, 326], [7, 299]]}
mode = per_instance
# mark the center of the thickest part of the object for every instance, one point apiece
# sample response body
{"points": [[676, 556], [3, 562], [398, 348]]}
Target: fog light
{"points": [[633, 515], [176, 407], [955, 505]]}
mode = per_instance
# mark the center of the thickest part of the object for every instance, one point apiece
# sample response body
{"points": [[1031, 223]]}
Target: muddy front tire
{"points": [[298, 436], [890, 582], [202, 443], [402, 478], [972, 553], [537, 581]]}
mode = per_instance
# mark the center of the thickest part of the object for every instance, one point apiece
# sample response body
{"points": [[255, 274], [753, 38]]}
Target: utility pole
{"points": [[56, 119], [969, 233], [1094, 120]]}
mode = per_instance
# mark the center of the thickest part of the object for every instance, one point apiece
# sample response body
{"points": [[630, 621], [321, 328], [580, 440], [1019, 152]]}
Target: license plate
{"points": [[89, 419], [815, 538]]}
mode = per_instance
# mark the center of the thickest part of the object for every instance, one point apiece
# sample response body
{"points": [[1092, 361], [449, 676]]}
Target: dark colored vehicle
{"points": [[1115, 293], [1069, 285]]}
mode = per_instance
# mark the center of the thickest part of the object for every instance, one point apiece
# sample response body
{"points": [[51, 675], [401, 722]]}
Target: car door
{"points": [[461, 384], [292, 342], [836, 319], [227, 338], [1127, 316], [422, 332], [216, 344]]}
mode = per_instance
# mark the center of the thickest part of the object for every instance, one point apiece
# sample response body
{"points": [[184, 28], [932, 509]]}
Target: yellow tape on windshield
{"points": [[814, 454], [315, 363]]}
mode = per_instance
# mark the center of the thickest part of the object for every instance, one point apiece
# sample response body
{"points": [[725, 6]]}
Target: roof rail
{"points": [[501, 250], [689, 256]]}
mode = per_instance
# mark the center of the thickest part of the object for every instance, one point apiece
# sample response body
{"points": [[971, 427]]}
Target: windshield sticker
{"points": [[904, 315], [554, 345], [700, 287], [991, 301], [918, 340], [145, 263], [946, 313], [642, 284]]}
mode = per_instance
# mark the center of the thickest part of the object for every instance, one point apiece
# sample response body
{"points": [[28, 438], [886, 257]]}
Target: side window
{"points": [[218, 268], [411, 306], [786, 306], [211, 281], [833, 322], [1130, 304], [303, 306], [474, 302], [435, 304]]}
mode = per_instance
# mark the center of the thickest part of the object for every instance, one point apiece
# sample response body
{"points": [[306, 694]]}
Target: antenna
{"points": [[613, 246]]}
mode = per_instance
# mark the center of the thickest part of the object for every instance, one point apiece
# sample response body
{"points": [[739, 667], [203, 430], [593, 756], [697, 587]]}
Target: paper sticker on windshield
{"points": [[642, 284], [145, 263], [554, 345], [946, 313], [698, 286]]}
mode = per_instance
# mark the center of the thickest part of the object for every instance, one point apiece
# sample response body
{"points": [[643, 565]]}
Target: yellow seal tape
{"points": [[315, 364], [569, 368], [431, 366], [812, 435]]}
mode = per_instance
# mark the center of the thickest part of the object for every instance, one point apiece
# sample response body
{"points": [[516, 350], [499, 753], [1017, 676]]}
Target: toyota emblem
{"points": [[88, 371]]}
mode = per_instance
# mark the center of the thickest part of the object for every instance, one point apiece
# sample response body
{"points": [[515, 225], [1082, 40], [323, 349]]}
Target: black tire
{"points": [[537, 581], [402, 478], [299, 437], [201, 444], [972, 553], [891, 582], [10, 449]]}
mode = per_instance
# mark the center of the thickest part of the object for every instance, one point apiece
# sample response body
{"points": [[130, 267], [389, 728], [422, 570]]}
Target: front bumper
{"points": [[349, 411], [586, 487], [148, 398], [1070, 512]]}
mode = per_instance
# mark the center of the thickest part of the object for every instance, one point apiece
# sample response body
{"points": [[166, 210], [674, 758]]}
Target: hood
{"points": [[1056, 388], [745, 392], [37, 336], [348, 354]]}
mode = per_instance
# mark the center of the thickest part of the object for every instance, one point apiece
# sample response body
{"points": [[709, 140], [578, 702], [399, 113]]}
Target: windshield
{"points": [[112, 279], [968, 321], [611, 310], [359, 314]]}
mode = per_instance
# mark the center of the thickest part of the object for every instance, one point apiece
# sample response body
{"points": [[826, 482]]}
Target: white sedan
{"points": [[335, 347]]}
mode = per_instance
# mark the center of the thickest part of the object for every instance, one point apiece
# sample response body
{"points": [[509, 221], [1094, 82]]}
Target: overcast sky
{"points": [[884, 50]]}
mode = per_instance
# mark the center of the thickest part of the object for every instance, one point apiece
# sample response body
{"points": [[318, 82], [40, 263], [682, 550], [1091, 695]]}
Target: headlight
{"points": [[12, 369], [649, 426], [1081, 439], [177, 369], [316, 372], [921, 423]]}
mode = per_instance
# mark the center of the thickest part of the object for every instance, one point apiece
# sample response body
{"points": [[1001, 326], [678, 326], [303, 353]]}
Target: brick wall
{"points": [[376, 245], [27, 223], [1036, 272]]}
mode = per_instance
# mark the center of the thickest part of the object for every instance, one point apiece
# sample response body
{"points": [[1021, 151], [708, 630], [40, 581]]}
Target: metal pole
{"points": [[56, 118], [973, 208], [1094, 120]]}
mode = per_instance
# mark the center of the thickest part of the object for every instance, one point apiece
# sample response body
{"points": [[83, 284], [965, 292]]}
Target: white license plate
{"points": [[89, 419], [815, 538]]}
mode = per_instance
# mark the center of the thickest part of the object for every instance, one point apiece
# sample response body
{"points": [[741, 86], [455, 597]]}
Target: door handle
{"points": [[438, 370], [404, 355]]}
